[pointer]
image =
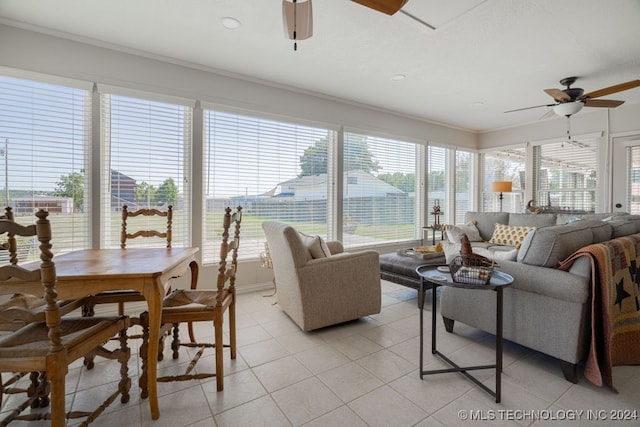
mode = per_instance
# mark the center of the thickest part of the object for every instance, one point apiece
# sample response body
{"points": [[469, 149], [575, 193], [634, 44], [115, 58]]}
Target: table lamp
{"points": [[501, 187]]}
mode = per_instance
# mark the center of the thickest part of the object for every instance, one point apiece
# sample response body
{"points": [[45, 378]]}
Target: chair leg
{"points": [[192, 336], [175, 344], [219, 349], [58, 411], [123, 357], [144, 348], [232, 328]]}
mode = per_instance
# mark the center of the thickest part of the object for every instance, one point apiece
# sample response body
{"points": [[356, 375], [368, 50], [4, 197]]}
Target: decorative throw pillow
{"points": [[497, 254], [316, 245], [455, 232], [511, 235]]}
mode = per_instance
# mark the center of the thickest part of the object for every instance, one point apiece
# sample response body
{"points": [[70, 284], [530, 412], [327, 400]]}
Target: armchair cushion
{"points": [[317, 246]]}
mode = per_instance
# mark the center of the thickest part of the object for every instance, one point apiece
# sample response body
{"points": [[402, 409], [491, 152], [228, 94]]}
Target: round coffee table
{"points": [[431, 277]]}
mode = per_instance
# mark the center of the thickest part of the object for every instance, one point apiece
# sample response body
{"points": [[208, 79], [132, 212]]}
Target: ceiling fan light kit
{"points": [[568, 108], [297, 17]]}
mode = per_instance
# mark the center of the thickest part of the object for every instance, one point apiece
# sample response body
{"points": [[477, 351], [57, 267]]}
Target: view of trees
{"points": [[71, 185], [357, 156]]}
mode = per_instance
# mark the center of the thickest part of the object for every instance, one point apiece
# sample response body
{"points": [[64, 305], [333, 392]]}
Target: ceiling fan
{"points": [[570, 100]]}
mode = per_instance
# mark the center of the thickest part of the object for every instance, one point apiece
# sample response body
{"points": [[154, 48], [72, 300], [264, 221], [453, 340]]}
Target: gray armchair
{"points": [[322, 291]]}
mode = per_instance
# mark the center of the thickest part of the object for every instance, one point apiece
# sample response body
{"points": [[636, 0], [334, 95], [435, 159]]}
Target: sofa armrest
{"points": [[573, 285], [335, 247], [339, 288]]}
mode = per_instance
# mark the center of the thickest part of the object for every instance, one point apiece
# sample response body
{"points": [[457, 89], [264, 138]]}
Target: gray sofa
{"points": [[545, 309]]}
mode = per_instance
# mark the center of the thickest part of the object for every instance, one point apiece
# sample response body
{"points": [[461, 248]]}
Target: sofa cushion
{"points": [[532, 220], [546, 246], [455, 232], [485, 221], [622, 228], [601, 230], [511, 235]]}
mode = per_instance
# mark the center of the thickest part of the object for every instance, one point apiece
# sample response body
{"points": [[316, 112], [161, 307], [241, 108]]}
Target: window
{"points": [[504, 165], [146, 164], [379, 194], [437, 183], [464, 181], [274, 170], [567, 175], [633, 186], [44, 134]]}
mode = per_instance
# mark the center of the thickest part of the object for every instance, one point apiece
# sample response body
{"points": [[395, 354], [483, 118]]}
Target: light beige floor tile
{"points": [[386, 336], [298, 341], [387, 365], [354, 346], [251, 335], [306, 400], [386, 407], [433, 391], [263, 352], [179, 409], [350, 381], [321, 358], [281, 373], [260, 412], [239, 388], [341, 417]]}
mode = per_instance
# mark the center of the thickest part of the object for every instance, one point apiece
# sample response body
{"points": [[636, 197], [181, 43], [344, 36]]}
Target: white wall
{"points": [[28, 50]]}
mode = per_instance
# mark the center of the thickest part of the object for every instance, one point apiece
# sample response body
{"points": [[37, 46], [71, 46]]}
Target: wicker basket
{"points": [[471, 271]]}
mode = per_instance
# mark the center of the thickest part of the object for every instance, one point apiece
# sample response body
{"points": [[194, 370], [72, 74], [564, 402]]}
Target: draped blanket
{"points": [[615, 306]]}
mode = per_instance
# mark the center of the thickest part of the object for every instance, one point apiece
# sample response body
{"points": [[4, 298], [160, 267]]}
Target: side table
{"points": [[432, 278]]}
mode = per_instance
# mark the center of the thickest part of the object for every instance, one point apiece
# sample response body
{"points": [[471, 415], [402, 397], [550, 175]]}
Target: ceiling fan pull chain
{"points": [[295, 22]]}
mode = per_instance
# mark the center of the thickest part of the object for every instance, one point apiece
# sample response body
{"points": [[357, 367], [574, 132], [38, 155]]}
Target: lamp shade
{"points": [[501, 186]]}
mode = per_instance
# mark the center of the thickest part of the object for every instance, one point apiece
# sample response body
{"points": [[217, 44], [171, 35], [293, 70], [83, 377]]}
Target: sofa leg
{"points": [[448, 324], [570, 371]]}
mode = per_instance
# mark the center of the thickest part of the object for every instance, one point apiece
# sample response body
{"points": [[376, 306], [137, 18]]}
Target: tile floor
{"points": [[362, 373]]}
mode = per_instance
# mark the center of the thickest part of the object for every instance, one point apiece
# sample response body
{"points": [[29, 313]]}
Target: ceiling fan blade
{"points": [[529, 108], [385, 6], [558, 95], [547, 114], [612, 89], [605, 103]]}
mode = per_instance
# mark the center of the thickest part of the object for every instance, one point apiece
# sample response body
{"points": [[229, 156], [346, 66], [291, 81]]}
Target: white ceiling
{"points": [[483, 58]]}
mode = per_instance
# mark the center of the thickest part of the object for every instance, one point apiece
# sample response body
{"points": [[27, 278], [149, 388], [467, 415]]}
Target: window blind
{"points": [[633, 184], [503, 165], [146, 163], [44, 134], [275, 170], [463, 184], [379, 190], [567, 175], [437, 183]]}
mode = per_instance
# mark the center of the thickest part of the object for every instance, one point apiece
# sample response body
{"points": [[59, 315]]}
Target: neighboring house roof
{"points": [[357, 183]]}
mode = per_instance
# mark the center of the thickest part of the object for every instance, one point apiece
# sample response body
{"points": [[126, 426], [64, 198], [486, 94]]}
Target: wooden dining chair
{"points": [[47, 348], [127, 234], [207, 305]]}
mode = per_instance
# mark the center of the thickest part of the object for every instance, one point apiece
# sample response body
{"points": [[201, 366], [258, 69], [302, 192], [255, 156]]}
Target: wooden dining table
{"points": [[146, 270]]}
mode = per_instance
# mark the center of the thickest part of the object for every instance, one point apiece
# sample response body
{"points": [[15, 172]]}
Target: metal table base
{"points": [[454, 367]]}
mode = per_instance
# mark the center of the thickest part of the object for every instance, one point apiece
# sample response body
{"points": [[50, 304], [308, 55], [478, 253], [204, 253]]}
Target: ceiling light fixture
{"points": [[297, 17], [398, 77], [230, 23], [568, 108]]}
